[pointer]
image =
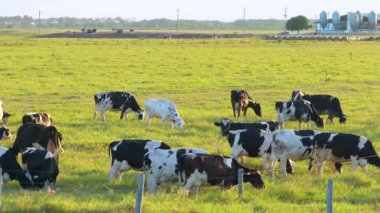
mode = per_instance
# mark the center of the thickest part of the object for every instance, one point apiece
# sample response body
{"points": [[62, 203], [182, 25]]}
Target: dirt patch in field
{"points": [[146, 35]]}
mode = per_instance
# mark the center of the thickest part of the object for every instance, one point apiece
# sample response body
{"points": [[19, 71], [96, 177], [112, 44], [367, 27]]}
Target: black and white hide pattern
{"points": [[11, 169], [323, 104], [43, 168], [129, 154], [164, 109], [161, 165], [290, 144], [341, 147], [300, 110], [201, 169], [5, 133], [116, 101], [227, 125]]}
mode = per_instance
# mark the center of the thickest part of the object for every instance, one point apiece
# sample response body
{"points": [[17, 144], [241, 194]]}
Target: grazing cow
{"points": [[161, 165], [116, 101], [339, 147], [198, 169], [5, 118], [11, 169], [240, 100], [38, 136], [163, 109], [43, 168], [323, 104], [129, 154], [5, 133], [291, 144], [227, 125], [37, 118], [300, 110]]}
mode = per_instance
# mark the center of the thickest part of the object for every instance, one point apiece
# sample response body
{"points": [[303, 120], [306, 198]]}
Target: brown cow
{"points": [[240, 100]]}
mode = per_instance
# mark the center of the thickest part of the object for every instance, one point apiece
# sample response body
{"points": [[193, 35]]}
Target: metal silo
{"points": [[323, 19], [336, 19], [372, 20]]}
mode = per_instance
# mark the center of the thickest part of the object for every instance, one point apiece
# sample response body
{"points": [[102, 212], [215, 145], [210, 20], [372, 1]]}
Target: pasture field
{"points": [[60, 76]]}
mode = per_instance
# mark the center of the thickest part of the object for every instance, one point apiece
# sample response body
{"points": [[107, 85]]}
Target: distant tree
{"points": [[297, 23]]}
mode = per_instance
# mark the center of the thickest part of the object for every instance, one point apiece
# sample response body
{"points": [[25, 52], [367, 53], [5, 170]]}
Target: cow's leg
{"points": [[289, 167], [330, 118], [354, 163], [163, 121], [152, 183], [113, 173], [266, 160], [148, 120], [283, 160], [102, 115], [319, 165], [194, 190], [338, 167], [311, 164], [233, 109], [96, 114]]}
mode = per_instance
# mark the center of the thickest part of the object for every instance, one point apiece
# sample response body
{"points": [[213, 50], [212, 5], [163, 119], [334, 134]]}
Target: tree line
{"points": [[130, 23]]}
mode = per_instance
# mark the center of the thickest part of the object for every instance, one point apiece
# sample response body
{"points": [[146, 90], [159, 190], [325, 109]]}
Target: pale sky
{"points": [[222, 10]]}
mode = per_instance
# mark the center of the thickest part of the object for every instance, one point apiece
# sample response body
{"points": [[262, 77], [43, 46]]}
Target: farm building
{"points": [[351, 22]]}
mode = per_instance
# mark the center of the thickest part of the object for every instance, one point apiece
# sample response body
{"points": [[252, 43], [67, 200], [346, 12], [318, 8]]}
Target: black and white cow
{"points": [[161, 165], [164, 109], [340, 147], [38, 136], [323, 104], [299, 110], [43, 168], [241, 101], [37, 118], [5, 118], [11, 169], [227, 125], [290, 144], [116, 101], [5, 133], [200, 169], [129, 154]]}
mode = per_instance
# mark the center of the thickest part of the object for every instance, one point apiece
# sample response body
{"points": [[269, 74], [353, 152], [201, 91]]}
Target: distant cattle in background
{"points": [[324, 105], [38, 136], [5, 133], [116, 101], [241, 101], [161, 165], [129, 154], [200, 169], [163, 109], [340, 147], [299, 110], [11, 169], [38, 118], [43, 168]]}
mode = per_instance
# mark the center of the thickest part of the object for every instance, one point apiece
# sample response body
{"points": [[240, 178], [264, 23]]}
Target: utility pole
{"points": [[285, 16], [177, 19], [244, 20], [39, 21]]}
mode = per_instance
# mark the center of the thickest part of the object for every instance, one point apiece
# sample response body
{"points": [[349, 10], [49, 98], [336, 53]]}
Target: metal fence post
{"points": [[330, 196], [1, 188], [139, 194], [240, 181]]}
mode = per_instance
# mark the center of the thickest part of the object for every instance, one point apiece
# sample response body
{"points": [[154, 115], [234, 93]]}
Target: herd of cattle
{"points": [[39, 143]]}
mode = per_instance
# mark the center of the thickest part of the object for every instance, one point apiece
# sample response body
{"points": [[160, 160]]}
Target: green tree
{"points": [[297, 23]]}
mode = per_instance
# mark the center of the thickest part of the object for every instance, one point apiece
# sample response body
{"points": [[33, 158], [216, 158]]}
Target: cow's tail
{"points": [[97, 99], [373, 158], [181, 171], [110, 152]]}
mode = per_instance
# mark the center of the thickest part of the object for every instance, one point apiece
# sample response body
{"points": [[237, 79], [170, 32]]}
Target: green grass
{"points": [[60, 76]]}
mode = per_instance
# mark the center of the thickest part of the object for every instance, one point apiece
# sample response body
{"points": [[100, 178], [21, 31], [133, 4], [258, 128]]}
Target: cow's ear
{"points": [[217, 124]]}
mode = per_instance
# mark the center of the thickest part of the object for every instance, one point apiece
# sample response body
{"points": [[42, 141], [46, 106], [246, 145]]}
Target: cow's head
{"points": [[319, 122], [254, 177], [5, 133], [224, 126], [342, 119], [140, 114], [256, 107], [179, 122], [6, 115]]}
